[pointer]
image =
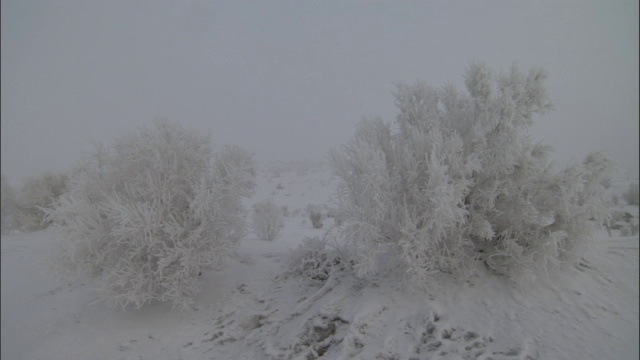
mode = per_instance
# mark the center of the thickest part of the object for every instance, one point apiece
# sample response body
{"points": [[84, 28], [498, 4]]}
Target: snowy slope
{"points": [[253, 310]]}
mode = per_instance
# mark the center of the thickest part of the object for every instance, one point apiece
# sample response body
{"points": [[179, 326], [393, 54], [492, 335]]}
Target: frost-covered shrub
{"points": [[315, 215], [8, 203], [335, 215], [617, 216], [267, 220], [316, 258], [152, 212], [621, 221], [236, 169], [457, 173], [631, 196], [630, 229], [36, 194]]}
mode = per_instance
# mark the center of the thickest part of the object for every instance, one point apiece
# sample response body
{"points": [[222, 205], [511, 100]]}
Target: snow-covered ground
{"points": [[253, 310]]}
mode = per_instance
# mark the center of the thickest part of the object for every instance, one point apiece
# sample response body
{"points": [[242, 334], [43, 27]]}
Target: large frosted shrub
{"points": [[37, 193], [267, 220], [457, 174], [152, 212]]}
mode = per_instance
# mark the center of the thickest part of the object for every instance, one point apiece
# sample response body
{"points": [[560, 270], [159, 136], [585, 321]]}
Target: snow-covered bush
{"points": [[235, 170], [315, 215], [618, 216], [615, 200], [153, 211], [36, 194], [335, 215], [630, 229], [631, 196], [267, 220], [316, 258], [457, 173], [8, 203]]}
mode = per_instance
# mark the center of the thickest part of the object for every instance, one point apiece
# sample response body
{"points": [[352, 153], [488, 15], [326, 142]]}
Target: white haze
{"points": [[289, 80]]}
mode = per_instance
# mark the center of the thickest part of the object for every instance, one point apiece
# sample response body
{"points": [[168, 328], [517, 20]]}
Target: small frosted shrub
{"points": [[630, 229], [316, 259], [615, 200], [8, 205], [235, 170], [151, 213], [336, 216], [36, 194], [267, 220], [315, 215], [631, 195]]}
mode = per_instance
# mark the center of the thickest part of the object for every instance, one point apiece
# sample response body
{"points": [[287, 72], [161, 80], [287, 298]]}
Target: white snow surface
{"points": [[253, 310]]}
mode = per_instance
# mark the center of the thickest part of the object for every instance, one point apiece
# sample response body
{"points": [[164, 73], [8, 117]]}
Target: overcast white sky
{"points": [[290, 79]]}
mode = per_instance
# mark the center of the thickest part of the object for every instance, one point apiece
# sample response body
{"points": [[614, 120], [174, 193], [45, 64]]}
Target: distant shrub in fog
{"points": [[267, 220], [315, 215], [631, 196], [8, 205], [36, 194], [630, 229], [615, 200], [335, 215], [301, 167], [153, 211], [236, 169], [457, 174]]}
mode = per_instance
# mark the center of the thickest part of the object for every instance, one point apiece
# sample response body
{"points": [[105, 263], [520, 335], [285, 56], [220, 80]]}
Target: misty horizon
{"points": [[290, 81]]}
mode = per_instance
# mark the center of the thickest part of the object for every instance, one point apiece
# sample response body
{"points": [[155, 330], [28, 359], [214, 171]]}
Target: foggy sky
{"points": [[290, 79]]}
